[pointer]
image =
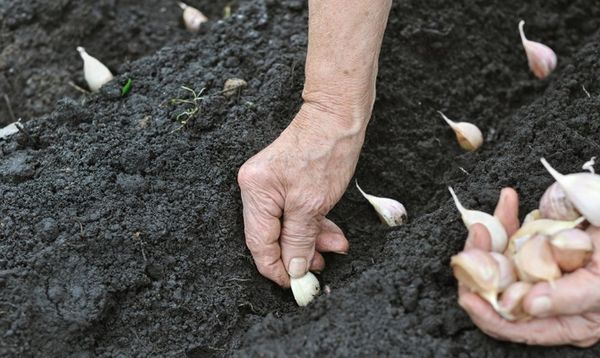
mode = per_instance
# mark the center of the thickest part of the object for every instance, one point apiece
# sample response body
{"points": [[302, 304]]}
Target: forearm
{"points": [[343, 49]]}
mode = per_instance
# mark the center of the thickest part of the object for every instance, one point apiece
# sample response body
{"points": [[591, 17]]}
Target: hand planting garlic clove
{"points": [[94, 71], [532, 216], [545, 227], [541, 58], [390, 211], [506, 271], [492, 224], [192, 17], [305, 288], [555, 205], [535, 262], [511, 301], [468, 135], [572, 249], [479, 272], [582, 190]]}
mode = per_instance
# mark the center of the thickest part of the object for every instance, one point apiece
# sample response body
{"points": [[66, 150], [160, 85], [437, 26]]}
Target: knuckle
{"points": [[248, 174]]}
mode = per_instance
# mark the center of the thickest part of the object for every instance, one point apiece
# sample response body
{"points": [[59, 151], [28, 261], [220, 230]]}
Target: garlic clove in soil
{"points": [[572, 249], [545, 227], [541, 58], [492, 224], [95, 73], [479, 272], [390, 211], [506, 270], [233, 86], [468, 135], [192, 17], [582, 189], [555, 205], [535, 262], [532, 216], [511, 301], [305, 288]]}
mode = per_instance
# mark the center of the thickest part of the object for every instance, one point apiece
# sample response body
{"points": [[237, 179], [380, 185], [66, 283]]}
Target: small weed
{"points": [[192, 106]]}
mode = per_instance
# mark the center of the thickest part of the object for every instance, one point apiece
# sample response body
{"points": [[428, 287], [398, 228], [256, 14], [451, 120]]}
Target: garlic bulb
{"points": [[492, 224], [506, 271], [555, 205], [94, 71], [532, 216], [305, 288], [468, 135], [192, 17], [535, 262], [542, 60], [390, 211], [233, 86], [545, 227], [572, 249], [479, 272], [511, 301], [582, 189]]}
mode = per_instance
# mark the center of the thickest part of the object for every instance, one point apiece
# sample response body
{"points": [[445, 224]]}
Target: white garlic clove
{"points": [[545, 227], [572, 249], [582, 189], [555, 205], [541, 58], [305, 288], [492, 224], [532, 216], [479, 272], [506, 270], [390, 211], [233, 86], [468, 135], [535, 262], [192, 17], [95, 73], [511, 301]]}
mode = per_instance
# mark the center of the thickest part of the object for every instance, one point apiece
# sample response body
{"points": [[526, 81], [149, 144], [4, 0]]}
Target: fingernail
{"points": [[318, 272], [540, 306], [297, 267], [341, 252]]}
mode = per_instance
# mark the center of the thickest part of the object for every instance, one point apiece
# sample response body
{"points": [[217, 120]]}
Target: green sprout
{"points": [[192, 106], [126, 88]]}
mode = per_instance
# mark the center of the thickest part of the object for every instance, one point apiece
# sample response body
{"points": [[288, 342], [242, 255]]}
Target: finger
{"points": [[318, 263], [507, 210], [594, 265], [262, 228], [331, 239], [573, 294], [298, 237], [479, 238]]}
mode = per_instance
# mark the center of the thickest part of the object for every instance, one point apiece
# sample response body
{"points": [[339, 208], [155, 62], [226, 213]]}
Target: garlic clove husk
{"points": [[390, 211], [492, 224], [468, 135], [541, 58], [535, 262], [582, 189], [555, 205], [511, 301], [479, 272], [589, 165], [506, 270], [305, 288], [572, 249], [532, 216], [545, 227], [96, 74], [192, 17]]}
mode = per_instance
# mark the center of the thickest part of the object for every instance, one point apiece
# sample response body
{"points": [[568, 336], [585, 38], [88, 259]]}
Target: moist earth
{"points": [[121, 231]]}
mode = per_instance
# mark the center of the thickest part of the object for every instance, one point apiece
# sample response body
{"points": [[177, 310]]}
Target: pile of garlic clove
{"points": [[551, 242]]}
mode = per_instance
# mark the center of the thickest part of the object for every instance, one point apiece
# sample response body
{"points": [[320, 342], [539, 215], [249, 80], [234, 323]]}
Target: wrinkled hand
{"points": [[567, 314], [289, 187]]}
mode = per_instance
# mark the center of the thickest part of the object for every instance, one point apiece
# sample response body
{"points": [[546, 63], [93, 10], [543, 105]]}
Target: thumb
{"points": [[574, 294], [298, 236]]}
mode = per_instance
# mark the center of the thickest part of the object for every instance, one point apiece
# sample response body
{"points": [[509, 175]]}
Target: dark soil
{"points": [[121, 231]]}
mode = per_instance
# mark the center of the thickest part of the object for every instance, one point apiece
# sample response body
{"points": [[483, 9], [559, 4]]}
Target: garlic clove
{"points": [[305, 288], [468, 135], [541, 58], [95, 72], [555, 205], [532, 216], [233, 86], [582, 189], [545, 227], [479, 272], [390, 211], [506, 270], [572, 249], [511, 301], [492, 224], [192, 17], [535, 262]]}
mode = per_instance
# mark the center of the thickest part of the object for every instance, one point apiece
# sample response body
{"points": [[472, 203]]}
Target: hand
{"points": [[566, 314], [289, 187]]}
